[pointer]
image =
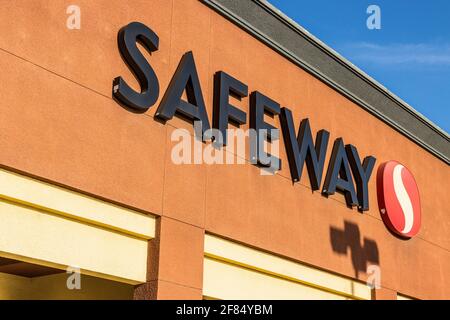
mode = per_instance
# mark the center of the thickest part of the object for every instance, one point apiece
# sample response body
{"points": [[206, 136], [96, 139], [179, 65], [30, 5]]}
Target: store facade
{"points": [[88, 179]]}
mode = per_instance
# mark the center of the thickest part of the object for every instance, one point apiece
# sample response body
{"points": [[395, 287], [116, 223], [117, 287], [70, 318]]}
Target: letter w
{"points": [[302, 149]]}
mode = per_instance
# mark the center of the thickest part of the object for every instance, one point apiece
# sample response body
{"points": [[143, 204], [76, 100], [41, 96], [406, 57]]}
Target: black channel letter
{"points": [[224, 86], [186, 79], [302, 149], [339, 176], [127, 38], [259, 106], [362, 175]]}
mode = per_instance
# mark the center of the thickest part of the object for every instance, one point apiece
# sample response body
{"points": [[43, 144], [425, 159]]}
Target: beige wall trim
{"points": [[49, 225], [227, 281], [220, 250], [57, 200]]}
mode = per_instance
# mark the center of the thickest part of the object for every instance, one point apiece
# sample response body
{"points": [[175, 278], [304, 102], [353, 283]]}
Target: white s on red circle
{"points": [[398, 199]]}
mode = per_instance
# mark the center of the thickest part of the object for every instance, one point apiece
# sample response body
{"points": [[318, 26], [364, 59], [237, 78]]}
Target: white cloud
{"points": [[399, 54]]}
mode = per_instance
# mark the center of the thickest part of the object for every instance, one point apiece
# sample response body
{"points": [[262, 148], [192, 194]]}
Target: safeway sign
{"points": [[397, 191]]}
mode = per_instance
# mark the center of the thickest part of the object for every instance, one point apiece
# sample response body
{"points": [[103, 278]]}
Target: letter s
{"points": [[127, 38]]}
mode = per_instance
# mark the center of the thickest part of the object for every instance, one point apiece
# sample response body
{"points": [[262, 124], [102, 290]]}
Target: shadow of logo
{"points": [[347, 240]]}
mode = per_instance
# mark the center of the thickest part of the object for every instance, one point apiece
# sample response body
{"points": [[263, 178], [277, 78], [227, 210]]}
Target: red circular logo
{"points": [[398, 199]]}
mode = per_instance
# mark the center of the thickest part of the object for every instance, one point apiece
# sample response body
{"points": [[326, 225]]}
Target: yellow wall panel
{"points": [[246, 268], [226, 281], [30, 235], [53, 226], [51, 198], [54, 287], [14, 287]]}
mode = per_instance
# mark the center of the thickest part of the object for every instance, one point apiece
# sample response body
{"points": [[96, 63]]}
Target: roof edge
{"points": [[346, 62]]}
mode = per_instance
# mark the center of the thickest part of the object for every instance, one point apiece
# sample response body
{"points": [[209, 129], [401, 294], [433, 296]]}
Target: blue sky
{"points": [[410, 54]]}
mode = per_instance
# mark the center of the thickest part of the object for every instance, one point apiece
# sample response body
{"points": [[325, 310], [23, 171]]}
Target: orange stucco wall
{"points": [[58, 122]]}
